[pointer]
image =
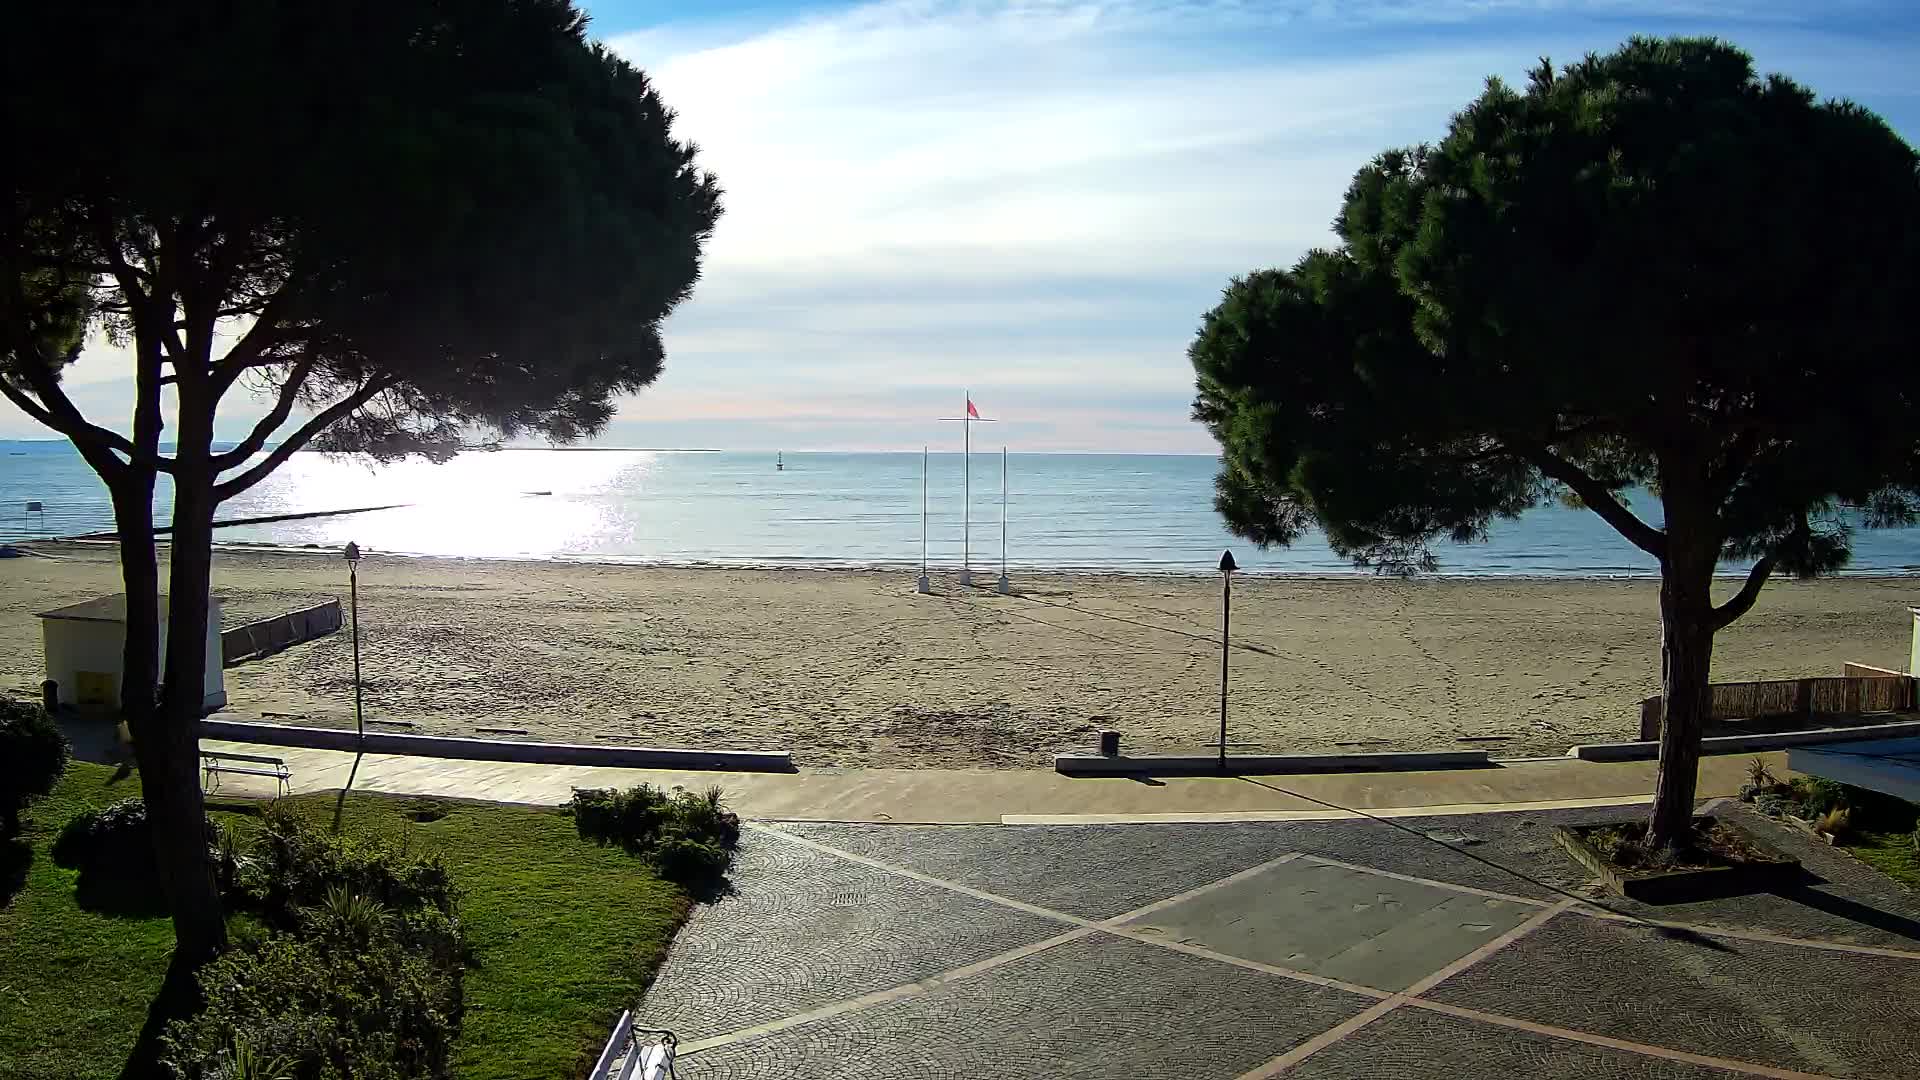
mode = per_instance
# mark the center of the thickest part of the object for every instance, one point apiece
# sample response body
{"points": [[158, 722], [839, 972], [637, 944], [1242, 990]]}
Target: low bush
{"points": [[33, 754], [358, 975], [116, 839], [689, 837], [296, 863], [367, 999]]}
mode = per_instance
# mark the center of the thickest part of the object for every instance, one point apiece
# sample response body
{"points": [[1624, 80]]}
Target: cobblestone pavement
{"points": [[1464, 947]]}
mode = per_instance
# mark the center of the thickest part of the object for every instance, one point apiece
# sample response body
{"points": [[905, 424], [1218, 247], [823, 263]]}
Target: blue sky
{"points": [[1037, 200]]}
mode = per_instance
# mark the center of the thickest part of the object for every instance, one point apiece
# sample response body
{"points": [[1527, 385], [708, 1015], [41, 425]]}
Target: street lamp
{"points": [[1227, 567], [353, 588]]}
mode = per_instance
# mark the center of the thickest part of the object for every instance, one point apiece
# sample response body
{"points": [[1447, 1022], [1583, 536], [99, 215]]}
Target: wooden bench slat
{"points": [[276, 773], [220, 755]]}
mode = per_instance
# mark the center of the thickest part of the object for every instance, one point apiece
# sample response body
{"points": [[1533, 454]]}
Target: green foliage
{"points": [[299, 864], [78, 979], [360, 974], [116, 839], [342, 999], [535, 221], [1759, 775], [33, 754], [1816, 795], [1651, 268], [689, 837], [564, 935]]}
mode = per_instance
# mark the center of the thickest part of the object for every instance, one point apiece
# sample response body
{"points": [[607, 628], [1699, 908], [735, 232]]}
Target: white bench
{"points": [[641, 1054], [215, 763]]}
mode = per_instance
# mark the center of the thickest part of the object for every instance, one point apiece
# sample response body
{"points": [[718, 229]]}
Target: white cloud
{"points": [[1038, 199]]}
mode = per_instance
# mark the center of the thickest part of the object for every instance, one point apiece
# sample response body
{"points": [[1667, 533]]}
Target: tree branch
{"points": [[270, 423], [245, 353], [327, 418], [56, 411], [1742, 601], [1599, 500]]}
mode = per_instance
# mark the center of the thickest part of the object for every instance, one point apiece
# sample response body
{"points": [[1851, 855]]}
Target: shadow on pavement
{"points": [[1851, 910]]}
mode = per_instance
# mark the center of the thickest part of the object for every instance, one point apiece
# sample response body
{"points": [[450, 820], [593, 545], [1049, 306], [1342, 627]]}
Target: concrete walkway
{"points": [[1010, 796], [1466, 947]]}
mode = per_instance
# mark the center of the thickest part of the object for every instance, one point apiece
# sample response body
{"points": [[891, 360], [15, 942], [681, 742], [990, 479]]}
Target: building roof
{"points": [[106, 609]]}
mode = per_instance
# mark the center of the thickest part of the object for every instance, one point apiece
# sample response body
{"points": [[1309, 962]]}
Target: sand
{"points": [[851, 668]]}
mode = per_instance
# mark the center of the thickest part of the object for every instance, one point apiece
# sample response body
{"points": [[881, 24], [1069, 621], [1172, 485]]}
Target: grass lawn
{"points": [[565, 935], [1890, 853]]}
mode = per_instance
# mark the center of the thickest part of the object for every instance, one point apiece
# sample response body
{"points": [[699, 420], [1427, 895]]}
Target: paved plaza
{"points": [[1457, 947]]}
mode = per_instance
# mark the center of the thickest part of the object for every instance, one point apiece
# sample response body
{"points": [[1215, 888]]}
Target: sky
{"points": [[1036, 201]]}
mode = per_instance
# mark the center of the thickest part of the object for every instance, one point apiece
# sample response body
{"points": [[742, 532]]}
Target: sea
{"points": [[1065, 512]]}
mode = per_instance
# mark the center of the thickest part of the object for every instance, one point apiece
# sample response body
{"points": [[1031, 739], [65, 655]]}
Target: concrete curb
{"points": [[534, 753], [1744, 744], [1176, 765]]}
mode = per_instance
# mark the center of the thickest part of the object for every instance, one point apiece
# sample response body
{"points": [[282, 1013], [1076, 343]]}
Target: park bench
{"points": [[215, 763], [634, 1053]]}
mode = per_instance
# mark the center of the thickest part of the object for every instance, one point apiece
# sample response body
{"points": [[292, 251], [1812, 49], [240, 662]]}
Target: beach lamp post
{"points": [[353, 591], [1227, 567]]}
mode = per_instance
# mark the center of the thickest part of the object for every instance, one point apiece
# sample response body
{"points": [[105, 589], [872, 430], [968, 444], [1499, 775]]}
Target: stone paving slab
{"points": [[1414, 1044], [1337, 922], [1099, 1008], [805, 928], [1846, 901], [1780, 1005], [1094, 871]]}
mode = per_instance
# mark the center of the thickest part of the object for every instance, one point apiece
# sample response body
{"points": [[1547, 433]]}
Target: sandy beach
{"points": [[851, 668]]}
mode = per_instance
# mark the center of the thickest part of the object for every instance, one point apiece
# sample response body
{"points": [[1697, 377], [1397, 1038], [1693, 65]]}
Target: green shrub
{"points": [[358, 976], [631, 819], [328, 1004], [1817, 795], [296, 863], [688, 837], [690, 862], [33, 754], [115, 839]]}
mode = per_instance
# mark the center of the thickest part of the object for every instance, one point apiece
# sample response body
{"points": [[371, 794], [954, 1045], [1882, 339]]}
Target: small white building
{"points": [[1913, 660], [85, 645]]}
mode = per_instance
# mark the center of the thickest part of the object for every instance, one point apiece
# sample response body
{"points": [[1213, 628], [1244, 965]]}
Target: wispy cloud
{"points": [[1038, 199]]}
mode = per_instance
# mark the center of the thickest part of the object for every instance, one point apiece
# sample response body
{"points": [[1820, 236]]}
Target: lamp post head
{"points": [[353, 552], [1227, 565]]}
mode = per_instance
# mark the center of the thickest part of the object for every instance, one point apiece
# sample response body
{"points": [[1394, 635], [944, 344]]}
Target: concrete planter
{"points": [[1774, 869]]}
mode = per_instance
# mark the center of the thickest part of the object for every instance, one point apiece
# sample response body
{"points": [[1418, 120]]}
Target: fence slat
{"points": [[1849, 694]]}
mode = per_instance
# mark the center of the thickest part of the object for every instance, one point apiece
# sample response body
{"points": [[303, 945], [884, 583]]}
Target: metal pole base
{"points": [[966, 577], [923, 586], [1005, 587]]}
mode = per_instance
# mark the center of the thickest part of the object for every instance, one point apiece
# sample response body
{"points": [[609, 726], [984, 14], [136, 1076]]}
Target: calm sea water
{"points": [[1064, 511]]}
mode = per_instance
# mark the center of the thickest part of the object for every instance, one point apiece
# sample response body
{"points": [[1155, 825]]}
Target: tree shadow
{"points": [[709, 890], [16, 858], [1850, 910], [127, 895]]}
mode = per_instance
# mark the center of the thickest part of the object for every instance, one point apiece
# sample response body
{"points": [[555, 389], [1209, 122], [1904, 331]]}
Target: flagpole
{"points": [[923, 585], [1004, 587], [966, 490]]}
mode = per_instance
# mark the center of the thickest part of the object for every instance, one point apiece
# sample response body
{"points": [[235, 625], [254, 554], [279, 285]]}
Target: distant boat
{"points": [[779, 464]]}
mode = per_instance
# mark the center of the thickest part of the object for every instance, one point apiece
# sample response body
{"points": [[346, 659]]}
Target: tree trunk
{"points": [[1686, 664], [140, 578], [180, 836], [169, 753]]}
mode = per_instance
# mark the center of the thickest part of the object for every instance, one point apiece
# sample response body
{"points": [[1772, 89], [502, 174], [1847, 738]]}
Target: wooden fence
{"points": [[1882, 691], [271, 635]]}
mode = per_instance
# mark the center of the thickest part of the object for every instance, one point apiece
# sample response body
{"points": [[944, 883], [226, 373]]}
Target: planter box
{"points": [[1775, 869]]}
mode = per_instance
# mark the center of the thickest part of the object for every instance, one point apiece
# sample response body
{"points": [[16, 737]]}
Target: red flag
{"points": [[971, 411]]}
